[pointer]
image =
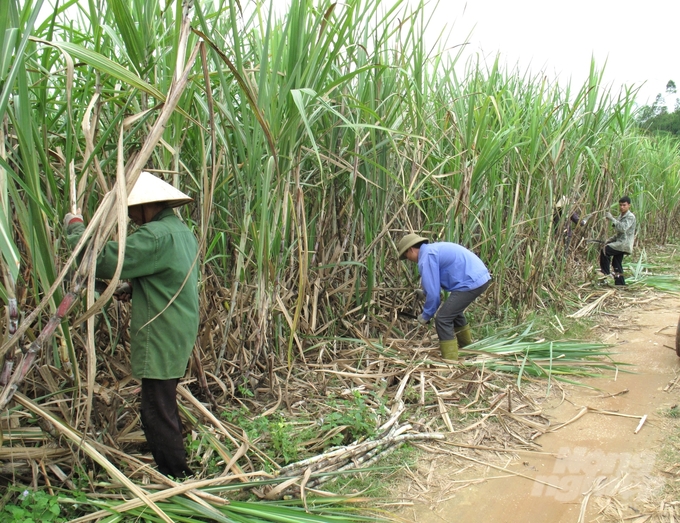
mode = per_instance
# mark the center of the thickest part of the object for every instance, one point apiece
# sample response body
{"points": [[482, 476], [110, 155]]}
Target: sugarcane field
{"points": [[300, 264]]}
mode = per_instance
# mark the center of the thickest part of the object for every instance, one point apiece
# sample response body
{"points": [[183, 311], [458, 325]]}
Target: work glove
{"points": [[609, 216], [70, 217], [422, 320], [420, 294]]}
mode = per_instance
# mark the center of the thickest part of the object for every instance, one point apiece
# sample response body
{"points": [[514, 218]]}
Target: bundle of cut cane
{"points": [[310, 473]]}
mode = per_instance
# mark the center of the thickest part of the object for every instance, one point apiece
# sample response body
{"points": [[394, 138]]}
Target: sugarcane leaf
{"points": [[9, 79], [211, 513], [8, 44], [297, 95], [130, 33], [105, 65], [10, 254]]}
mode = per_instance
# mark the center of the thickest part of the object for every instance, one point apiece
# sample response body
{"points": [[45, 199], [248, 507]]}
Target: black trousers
{"points": [[163, 427], [609, 255]]}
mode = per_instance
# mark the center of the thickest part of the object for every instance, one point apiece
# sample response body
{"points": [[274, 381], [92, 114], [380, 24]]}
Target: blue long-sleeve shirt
{"points": [[451, 267]]}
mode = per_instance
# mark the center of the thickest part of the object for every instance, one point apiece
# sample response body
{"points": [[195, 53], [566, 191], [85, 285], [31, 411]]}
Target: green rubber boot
{"points": [[449, 349], [463, 335]]}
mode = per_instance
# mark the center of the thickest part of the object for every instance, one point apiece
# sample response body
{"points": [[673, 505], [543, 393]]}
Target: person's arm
{"points": [[141, 253], [141, 250], [74, 229], [625, 223], [429, 274]]}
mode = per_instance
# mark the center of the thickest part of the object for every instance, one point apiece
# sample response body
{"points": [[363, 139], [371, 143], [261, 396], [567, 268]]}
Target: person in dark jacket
{"points": [[564, 229], [453, 268], [161, 264]]}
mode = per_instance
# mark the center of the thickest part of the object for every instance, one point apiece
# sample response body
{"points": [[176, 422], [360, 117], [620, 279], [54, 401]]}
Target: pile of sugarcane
{"points": [[311, 473]]}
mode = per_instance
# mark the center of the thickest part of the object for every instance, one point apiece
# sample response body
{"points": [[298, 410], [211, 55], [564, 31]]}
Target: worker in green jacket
{"points": [[161, 264]]}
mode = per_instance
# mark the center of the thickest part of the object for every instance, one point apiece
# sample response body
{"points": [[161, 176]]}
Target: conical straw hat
{"points": [[563, 201], [409, 241], [150, 188]]}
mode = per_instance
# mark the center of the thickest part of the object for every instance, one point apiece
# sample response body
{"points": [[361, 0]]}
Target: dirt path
{"points": [[595, 447]]}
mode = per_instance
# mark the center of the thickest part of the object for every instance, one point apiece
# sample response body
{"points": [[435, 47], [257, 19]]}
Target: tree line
{"points": [[657, 118]]}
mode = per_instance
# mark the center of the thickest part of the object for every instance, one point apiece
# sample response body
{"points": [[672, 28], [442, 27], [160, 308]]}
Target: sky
{"points": [[635, 42]]}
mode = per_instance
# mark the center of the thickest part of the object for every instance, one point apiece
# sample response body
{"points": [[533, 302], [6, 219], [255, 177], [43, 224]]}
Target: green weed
{"points": [[22, 505], [355, 415], [277, 434], [284, 438]]}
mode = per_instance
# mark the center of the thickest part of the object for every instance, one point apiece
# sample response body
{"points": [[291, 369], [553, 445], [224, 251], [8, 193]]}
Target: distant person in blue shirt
{"points": [[455, 269]]}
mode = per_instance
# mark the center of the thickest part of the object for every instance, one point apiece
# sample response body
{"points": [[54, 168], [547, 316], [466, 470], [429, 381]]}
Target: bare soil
{"points": [[597, 453]]}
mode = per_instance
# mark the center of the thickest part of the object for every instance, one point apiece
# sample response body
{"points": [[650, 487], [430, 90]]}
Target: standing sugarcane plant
{"points": [[319, 151], [112, 212], [12, 325], [11, 49], [13, 380]]}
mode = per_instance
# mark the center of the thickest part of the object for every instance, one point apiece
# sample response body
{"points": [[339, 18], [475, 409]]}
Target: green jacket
{"points": [[158, 257], [625, 233]]}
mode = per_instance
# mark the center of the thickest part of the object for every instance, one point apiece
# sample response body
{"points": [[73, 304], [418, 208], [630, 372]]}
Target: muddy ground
{"points": [[597, 453]]}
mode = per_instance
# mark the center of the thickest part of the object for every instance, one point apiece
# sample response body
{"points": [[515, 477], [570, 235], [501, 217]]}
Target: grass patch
{"points": [[381, 482]]}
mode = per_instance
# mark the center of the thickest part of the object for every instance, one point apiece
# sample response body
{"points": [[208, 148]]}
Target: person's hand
{"points": [[422, 320], [70, 217], [123, 292], [420, 294], [609, 216]]}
